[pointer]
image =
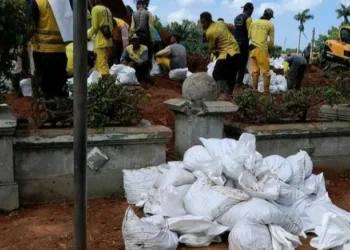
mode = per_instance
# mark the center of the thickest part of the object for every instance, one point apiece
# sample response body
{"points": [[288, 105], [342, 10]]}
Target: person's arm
{"points": [[125, 35], [249, 22], [34, 12], [164, 52], [124, 57], [94, 24], [151, 26], [250, 32], [132, 27], [143, 57], [272, 36]]}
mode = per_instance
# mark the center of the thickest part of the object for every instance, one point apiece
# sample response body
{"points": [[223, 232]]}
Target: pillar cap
{"points": [[199, 87], [8, 121]]}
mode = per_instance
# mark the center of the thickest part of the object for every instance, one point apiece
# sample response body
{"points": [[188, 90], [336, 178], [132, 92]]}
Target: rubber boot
{"points": [[267, 80], [255, 82]]}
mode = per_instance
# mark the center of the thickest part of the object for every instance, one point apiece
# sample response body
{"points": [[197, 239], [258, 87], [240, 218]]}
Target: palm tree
{"points": [[343, 12], [302, 18]]}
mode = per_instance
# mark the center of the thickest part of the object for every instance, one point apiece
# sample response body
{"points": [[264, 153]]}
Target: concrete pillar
{"points": [[8, 187], [197, 114]]}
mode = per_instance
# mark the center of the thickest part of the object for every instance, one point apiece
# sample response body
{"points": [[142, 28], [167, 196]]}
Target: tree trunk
{"points": [[298, 50]]}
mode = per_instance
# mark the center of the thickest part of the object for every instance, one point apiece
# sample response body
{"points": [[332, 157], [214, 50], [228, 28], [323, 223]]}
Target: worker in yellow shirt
{"points": [[262, 35], [120, 35], [49, 51], [101, 27], [242, 26], [225, 48]]}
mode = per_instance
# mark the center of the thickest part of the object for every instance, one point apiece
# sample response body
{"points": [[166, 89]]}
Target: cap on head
{"points": [[140, 2], [248, 6], [269, 13]]}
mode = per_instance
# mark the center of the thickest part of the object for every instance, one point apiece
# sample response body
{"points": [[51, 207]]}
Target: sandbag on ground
{"points": [[139, 234], [282, 240], [260, 211], [248, 235], [279, 166], [138, 181], [205, 199], [175, 176]]}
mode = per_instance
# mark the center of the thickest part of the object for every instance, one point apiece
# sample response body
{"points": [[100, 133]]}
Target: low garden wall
{"points": [[328, 143], [37, 166]]}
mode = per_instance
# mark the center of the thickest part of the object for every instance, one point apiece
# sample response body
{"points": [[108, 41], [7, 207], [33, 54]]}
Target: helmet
{"points": [[268, 13]]}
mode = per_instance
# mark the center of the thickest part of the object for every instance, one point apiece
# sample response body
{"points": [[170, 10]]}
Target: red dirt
{"points": [[43, 227]]}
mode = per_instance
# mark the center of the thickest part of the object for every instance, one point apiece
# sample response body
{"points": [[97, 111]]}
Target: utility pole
{"points": [[312, 44], [285, 42], [80, 123]]}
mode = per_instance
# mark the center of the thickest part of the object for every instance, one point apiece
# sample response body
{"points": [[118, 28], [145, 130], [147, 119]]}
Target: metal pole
{"points": [[80, 123], [312, 44]]}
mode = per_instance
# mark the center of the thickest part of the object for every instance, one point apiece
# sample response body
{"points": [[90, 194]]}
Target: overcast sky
{"points": [[285, 25]]}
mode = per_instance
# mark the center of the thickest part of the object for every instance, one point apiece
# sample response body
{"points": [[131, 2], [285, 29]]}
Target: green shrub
{"points": [[15, 28]]}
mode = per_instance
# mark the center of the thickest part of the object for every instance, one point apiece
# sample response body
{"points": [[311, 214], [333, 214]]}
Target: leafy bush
{"points": [[16, 29], [294, 105], [108, 104]]}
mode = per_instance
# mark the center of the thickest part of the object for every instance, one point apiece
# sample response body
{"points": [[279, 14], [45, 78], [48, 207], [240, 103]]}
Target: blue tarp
{"points": [[156, 35]]}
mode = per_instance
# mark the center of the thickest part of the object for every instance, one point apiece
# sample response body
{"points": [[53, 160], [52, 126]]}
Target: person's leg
{"points": [[101, 63], [301, 73], [292, 77], [264, 65], [41, 68], [242, 67], [255, 68], [234, 65], [141, 71], [15, 79], [163, 62], [219, 75]]}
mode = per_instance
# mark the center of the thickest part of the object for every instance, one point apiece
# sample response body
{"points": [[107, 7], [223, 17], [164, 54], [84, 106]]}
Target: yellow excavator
{"points": [[338, 51]]}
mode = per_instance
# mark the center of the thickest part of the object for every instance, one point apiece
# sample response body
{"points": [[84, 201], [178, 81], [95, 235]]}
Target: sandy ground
{"points": [[43, 227]]}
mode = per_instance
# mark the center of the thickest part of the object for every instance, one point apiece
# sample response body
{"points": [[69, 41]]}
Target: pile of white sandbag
{"points": [[278, 83], [277, 63], [226, 186]]}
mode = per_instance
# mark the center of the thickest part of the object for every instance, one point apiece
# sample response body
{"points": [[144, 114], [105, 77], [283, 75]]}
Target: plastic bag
{"points": [[156, 70], [124, 74], [175, 176], [192, 240], [138, 181], [195, 157], [298, 168], [140, 234], [178, 74], [205, 199], [249, 235], [282, 240], [211, 67], [189, 224], [260, 211], [333, 232], [279, 166], [94, 77], [26, 87], [267, 188], [166, 202]]}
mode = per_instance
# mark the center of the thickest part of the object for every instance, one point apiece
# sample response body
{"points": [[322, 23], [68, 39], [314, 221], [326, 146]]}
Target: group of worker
{"points": [[114, 43], [233, 45]]}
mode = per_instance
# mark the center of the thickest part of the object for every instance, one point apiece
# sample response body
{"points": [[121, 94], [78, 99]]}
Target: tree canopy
{"points": [[302, 18], [343, 12]]}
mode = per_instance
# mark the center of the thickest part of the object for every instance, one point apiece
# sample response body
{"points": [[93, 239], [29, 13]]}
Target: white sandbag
{"points": [[191, 240], [247, 80], [310, 185], [26, 87], [282, 240], [189, 224], [211, 67], [281, 83], [260, 211], [139, 234], [333, 232], [183, 190], [138, 181], [175, 176], [205, 199], [318, 208], [166, 202], [156, 70], [274, 89], [178, 74], [298, 169], [279, 166], [124, 74], [176, 164], [289, 195], [267, 188], [195, 157], [248, 235], [156, 220], [94, 77], [308, 164], [189, 73]]}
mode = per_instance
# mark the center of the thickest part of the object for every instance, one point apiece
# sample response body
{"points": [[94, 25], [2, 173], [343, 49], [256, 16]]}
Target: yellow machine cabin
{"points": [[339, 50]]}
